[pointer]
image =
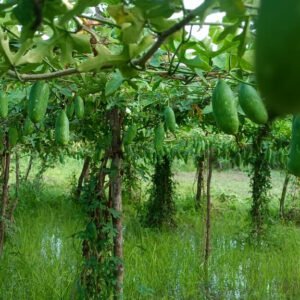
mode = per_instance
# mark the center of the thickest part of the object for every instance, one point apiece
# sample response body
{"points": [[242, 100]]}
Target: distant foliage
{"points": [[160, 209]]}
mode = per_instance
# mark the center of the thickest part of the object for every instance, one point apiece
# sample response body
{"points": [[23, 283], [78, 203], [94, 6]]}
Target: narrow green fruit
{"points": [[13, 137], [38, 101], [79, 107], [62, 128], [3, 105], [278, 55], [28, 127], [252, 104], [224, 108], [2, 136], [70, 110], [170, 119]]}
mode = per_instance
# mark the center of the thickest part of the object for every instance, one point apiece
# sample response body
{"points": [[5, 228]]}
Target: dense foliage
{"points": [[129, 86]]}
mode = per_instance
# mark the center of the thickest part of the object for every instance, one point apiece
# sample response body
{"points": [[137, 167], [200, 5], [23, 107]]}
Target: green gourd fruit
{"points": [[62, 128], [252, 104], [278, 55], [3, 105], [13, 137], [2, 136], [38, 101], [225, 108], [170, 119], [70, 110], [28, 127], [79, 107]]}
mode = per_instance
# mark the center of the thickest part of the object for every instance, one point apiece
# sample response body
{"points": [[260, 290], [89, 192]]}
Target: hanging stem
{"points": [[83, 175], [17, 188], [208, 206], [200, 181], [283, 195], [5, 189], [28, 168]]}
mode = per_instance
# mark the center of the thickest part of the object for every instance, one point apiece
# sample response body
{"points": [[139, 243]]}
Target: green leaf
{"points": [[161, 24], [200, 74], [197, 62], [113, 84], [220, 61], [54, 8], [247, 61], [81, 43], [226, 47], [214, 33], [4, 47], [35, 55], [7, 5], [128, 72], [207, 109], [131, 21], [24, 12], [233, 8], [158, 8], [66, 51], [116, 214], [204, 9], [228, 30], [78, 9], [155, 60], [156, 84], [104, 58], [243, 38], [30, 14], [136, 49]]}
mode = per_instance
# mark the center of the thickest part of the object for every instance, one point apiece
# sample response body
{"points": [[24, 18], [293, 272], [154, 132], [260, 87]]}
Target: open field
{"points": [[42, 257]]}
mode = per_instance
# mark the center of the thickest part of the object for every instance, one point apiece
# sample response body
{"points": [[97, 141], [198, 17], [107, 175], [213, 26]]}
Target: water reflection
{"points": [[51, 246]]}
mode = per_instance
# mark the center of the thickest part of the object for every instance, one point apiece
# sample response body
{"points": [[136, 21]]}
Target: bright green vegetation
{"points": [[131, 90], [42, 257], [169, 265]]}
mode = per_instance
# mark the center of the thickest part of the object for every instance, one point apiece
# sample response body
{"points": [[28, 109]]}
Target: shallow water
{"points": [[51, 246]]}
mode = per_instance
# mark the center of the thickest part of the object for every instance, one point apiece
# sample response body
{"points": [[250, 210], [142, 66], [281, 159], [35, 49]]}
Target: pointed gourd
{"points": [[252, 104], [159, 138], [13, 137], [79, 107], [224, 108], [170, 119], [62, 128], [28, 127], [3, 105], [278, 55], [38, 101]]}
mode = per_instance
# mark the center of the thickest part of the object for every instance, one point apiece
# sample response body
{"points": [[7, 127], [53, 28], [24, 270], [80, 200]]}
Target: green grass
{"points": [[41, 262], [169, 264], [42, 259]]}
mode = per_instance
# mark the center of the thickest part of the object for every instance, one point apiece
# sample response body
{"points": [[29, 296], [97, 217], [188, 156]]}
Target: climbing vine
{"points": [[260, 175], [160, 209]]}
